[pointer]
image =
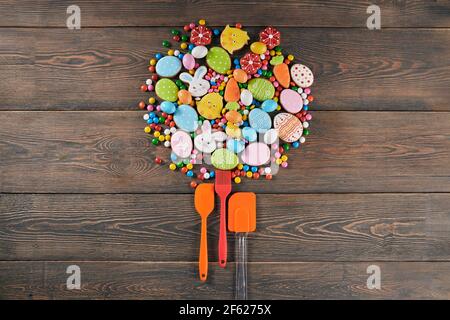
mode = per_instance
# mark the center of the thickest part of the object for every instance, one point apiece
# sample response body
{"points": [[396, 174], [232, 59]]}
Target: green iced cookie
{"points": [[167, 90], [276, 60], [232, 106], [224, 159], [261, 89], [218, 60]]}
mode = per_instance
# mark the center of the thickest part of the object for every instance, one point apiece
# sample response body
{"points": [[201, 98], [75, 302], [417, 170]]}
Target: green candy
{"points": [[167, 90], [276, 60], [218, 60], [261, 89], [224, 159]]}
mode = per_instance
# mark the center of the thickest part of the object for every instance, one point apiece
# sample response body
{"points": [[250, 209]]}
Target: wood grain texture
{"points": [[305, 13], [141, 280], [102, 69], [108, 152], [290, 228]]}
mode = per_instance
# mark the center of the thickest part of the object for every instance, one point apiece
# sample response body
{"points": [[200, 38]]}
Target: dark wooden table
{"points": [[78, 184]]}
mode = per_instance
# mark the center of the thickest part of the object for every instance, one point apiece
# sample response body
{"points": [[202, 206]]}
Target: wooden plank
{"points": [[102, 69], [141, 280], [108, 152], [309, 13], [291, 228]]}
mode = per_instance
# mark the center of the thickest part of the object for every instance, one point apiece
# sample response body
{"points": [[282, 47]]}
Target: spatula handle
{"points": [[241, 266], [223, 234], [203, 258]]}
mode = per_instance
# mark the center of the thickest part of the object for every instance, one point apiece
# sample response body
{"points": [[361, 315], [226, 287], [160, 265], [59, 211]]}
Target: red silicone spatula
{"points": [[223, 189]]}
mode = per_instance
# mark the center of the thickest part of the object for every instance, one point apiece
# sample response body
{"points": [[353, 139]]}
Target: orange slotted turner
{"points": [[241, 220], [204, 204]]}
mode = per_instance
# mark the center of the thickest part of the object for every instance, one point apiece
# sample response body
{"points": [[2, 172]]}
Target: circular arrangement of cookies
{"points": [[225, 101]]}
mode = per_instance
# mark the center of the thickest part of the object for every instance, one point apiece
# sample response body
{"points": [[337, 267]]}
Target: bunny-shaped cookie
{"points": [[206, 142], [198, 86]]}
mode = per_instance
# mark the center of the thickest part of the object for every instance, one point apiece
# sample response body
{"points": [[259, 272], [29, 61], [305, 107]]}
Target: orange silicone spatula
{"points": [[241, 220], [204, 204]]}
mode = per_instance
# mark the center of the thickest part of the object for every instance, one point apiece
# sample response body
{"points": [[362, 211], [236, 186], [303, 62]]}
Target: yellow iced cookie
{"points": [[233, 39], [210, 106]]}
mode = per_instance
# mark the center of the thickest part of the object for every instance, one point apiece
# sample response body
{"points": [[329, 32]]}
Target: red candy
{"points": [[201, 36], [270, 37], [250, 63]]}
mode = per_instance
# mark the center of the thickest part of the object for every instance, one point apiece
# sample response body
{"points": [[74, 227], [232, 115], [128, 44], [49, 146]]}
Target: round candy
{"points": [[218, 60], [235, 145], [184, 96], [240, 75], [269, 105], [258, 47], [166, 89], [188, 61], [256, 154], [224, 159], [271, 136], [168, 66], [181, 144], [261, 89], [302, 75], [246, 97], [210, 106], [249, 134], [168, 107], [200, 52], [186, 118], [291, 101], [289, 127], [260, 120]]}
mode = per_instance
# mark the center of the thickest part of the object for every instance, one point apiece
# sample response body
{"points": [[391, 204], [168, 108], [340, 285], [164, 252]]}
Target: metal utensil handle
{"points": [[241, 266]]}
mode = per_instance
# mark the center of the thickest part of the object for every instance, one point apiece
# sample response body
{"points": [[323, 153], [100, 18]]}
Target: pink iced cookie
{"points": [[302, 75], [291, 101], [256, 154], [181, 143]]}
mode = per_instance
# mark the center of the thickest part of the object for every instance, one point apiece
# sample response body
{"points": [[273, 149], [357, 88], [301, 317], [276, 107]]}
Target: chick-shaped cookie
{"points": [[233, 39], [210, 106]]}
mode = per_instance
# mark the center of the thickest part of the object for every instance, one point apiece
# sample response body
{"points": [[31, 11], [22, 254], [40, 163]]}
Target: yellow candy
{"points": [[275, 99], [153, 62], [249, 174], [202, 22], [192, 71], [167, 137], [272, 52], [278, 108], [279, 53], [189, 166], [284, 158], [183, 45], [290, 57], [278, 161], [147, 129], [240, 166], [170, 52], [237, 180], [258, 47], [152, 100], [172, 166], [157, 134], [161, 138]]}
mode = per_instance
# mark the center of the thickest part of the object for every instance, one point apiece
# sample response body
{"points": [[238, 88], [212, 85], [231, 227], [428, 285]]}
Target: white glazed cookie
{"points": [[302, 75]]}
